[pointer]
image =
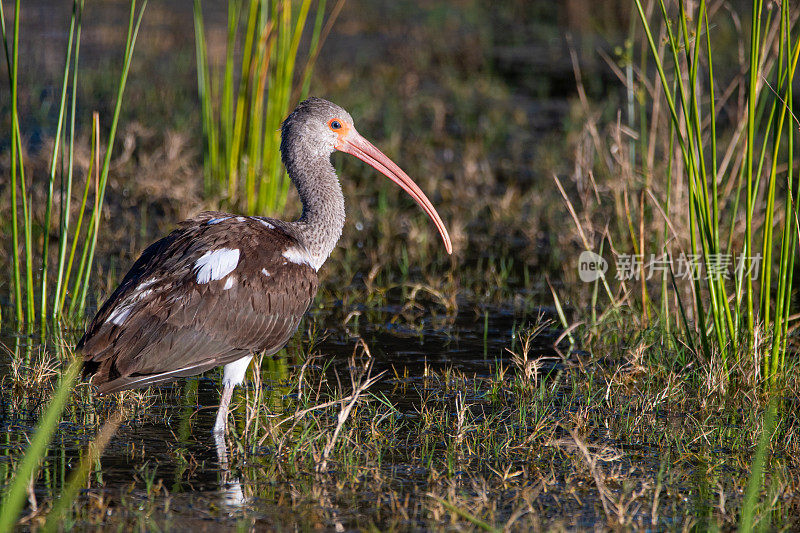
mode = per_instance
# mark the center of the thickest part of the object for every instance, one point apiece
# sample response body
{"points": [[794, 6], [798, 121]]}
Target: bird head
{"points": [[317, 128]]}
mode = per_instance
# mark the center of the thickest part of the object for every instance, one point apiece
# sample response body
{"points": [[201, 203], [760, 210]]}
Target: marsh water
{"points": [[162, 469], [167, 439]]}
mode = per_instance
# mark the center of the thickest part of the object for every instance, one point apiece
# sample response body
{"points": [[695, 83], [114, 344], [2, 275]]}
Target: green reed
{"points": [[244, 101], [749, 313], [24, 293]]}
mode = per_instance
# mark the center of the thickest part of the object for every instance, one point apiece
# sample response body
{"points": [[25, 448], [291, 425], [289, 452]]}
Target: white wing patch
{"points": [[120, 314], [216, 264], [217, 220], [265, 272], [142, 295], [229, 283], [143, 285], [267, 224], [299, 256]]}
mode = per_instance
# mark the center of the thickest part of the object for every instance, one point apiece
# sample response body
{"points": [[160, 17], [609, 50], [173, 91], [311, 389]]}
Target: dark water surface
{"points": [[167, 440]]}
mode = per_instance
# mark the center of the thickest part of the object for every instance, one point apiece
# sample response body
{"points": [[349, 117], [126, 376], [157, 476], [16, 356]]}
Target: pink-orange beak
{"points": [[353, 143]]}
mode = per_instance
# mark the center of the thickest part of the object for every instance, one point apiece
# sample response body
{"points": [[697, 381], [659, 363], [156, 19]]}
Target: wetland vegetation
{"points": [[502, 388]]}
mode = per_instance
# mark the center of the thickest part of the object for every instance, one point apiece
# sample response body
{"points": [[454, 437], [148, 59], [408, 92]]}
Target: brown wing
{"points": [[214, 290]]}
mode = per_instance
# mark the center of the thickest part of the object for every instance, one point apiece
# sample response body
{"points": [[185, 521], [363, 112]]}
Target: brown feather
{"points": [[163, 323]]}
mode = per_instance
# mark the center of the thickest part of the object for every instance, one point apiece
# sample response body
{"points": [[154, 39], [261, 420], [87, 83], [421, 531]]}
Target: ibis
{"points": [[223, 287]]}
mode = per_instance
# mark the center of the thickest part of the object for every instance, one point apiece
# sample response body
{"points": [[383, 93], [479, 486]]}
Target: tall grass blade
{"points": [[134, 22], [757, 469], [12, 62], [14, 496], [53, 166], [66, 182], [94, 168]]}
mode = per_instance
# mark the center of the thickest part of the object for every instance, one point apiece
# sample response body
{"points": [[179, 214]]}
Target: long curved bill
{"points": [[358, 146]]}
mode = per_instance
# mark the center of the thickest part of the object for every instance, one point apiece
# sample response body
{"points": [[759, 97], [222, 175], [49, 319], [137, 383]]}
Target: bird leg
{"points": [[231, 376], [222, 454], [221, 425]]}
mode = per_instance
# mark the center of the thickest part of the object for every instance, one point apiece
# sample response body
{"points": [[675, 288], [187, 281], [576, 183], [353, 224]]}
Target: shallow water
{"points": [[162, 469], [169, 441]]}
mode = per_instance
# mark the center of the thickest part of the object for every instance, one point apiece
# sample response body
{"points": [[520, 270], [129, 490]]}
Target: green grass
{"points": [[733, 320], [245, 100], [702, 180], [25, 259]]}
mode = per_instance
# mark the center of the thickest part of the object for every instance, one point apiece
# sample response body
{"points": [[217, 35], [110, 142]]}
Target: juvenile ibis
{"points": [[222, 287]]}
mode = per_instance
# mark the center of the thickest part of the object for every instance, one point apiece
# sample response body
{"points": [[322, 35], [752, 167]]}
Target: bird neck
{"points": [[322, 221]]}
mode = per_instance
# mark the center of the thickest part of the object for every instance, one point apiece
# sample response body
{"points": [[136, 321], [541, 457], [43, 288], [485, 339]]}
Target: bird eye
{"points": [[335, 124]]}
